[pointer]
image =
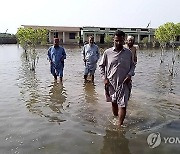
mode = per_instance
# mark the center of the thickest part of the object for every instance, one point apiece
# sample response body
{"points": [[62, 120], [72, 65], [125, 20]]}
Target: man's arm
{"points": [[135, 55], [131, 72], [97, 53], [49, 54], [132, 68], [83, 53], [102, 66], [63, 55]]}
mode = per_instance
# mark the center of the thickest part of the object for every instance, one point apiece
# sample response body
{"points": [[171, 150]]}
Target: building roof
{"points": [[55, 28]]}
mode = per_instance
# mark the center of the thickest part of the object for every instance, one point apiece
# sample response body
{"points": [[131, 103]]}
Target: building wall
{"points": [[71, 40], [98, 32], [138, 33], [65, 38]]}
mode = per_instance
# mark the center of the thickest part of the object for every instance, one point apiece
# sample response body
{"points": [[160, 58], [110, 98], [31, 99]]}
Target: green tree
{"points": [[29, 38], [160, 35], [108, 39], [168, 33], [178, 48], [145, 41], [78, 39]]}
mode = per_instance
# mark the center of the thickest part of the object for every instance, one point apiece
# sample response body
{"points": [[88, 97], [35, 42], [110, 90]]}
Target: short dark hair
{"points": [[119, 33], [56, 38], [92, 37]]}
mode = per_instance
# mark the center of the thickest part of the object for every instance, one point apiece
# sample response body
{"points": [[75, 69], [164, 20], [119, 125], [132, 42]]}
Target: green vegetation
{"points": [[145, 41], [178, 48], [79, 39], [7, 35], [29, 39], [108, 39], [7, 38], [165, 34]]}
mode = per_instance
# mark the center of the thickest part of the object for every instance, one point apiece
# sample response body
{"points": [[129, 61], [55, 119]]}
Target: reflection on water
{"points": [[90, 93], [57, 97], [89, 108], [32, 95], [115, 142], [39, 115]]}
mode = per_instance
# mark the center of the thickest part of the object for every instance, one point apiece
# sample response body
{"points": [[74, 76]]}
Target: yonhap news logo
{"points": [[155, 139]]}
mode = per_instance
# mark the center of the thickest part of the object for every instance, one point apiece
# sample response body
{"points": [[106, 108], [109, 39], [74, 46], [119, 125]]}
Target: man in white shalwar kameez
{"points": [[90, 55], [117, 68]]}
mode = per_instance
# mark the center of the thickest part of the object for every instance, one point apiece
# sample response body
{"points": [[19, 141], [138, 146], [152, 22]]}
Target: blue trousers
{"points": [[57, 70]]}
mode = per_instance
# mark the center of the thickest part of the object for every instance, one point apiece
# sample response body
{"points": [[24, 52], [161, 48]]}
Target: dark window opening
{"points": [[48, 37], [143, 36], [144, 30], [178, 38], [102, 28], [72, 35], [102, 38], [113, 28], [55, 34]]}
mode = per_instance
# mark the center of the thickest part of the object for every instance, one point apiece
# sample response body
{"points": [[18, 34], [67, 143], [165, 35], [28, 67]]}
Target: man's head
{"points": [[119, 37], [91, 39], [130, 41], [56, 41]]}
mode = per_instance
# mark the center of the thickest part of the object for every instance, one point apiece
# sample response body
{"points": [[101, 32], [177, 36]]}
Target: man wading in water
{"points": [[90, 55], [56, 56], [130, 45], [116, 68]]}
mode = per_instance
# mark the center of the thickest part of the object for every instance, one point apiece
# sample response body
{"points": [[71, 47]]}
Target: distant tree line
{"points": [[6, 38]]}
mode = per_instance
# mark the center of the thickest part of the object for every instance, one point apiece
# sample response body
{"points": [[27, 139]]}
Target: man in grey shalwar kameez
{"points": [[90, 55], [116, 68]]}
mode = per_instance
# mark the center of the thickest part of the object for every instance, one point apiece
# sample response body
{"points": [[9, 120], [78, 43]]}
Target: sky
{"points": [[100, 13]]}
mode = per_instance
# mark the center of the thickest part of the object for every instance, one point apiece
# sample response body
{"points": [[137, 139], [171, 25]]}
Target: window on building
{"points": [[143, 36], [102, 28], [55, 34], [48, 37], [144, 30], [72, 35], [133, 29], [113, 28]]}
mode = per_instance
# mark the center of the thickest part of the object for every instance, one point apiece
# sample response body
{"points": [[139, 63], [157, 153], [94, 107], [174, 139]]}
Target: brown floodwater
{"points": [[38, 115]]}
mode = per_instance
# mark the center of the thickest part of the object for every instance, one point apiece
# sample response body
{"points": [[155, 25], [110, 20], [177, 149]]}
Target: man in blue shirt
{"points": [[56, 55]]}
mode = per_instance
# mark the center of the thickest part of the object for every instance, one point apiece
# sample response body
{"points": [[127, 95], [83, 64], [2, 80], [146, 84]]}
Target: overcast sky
{"points": [[105, 13]]}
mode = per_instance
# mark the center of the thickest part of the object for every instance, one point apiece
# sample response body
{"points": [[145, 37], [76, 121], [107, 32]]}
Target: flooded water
{"points": [[38, 115]]}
